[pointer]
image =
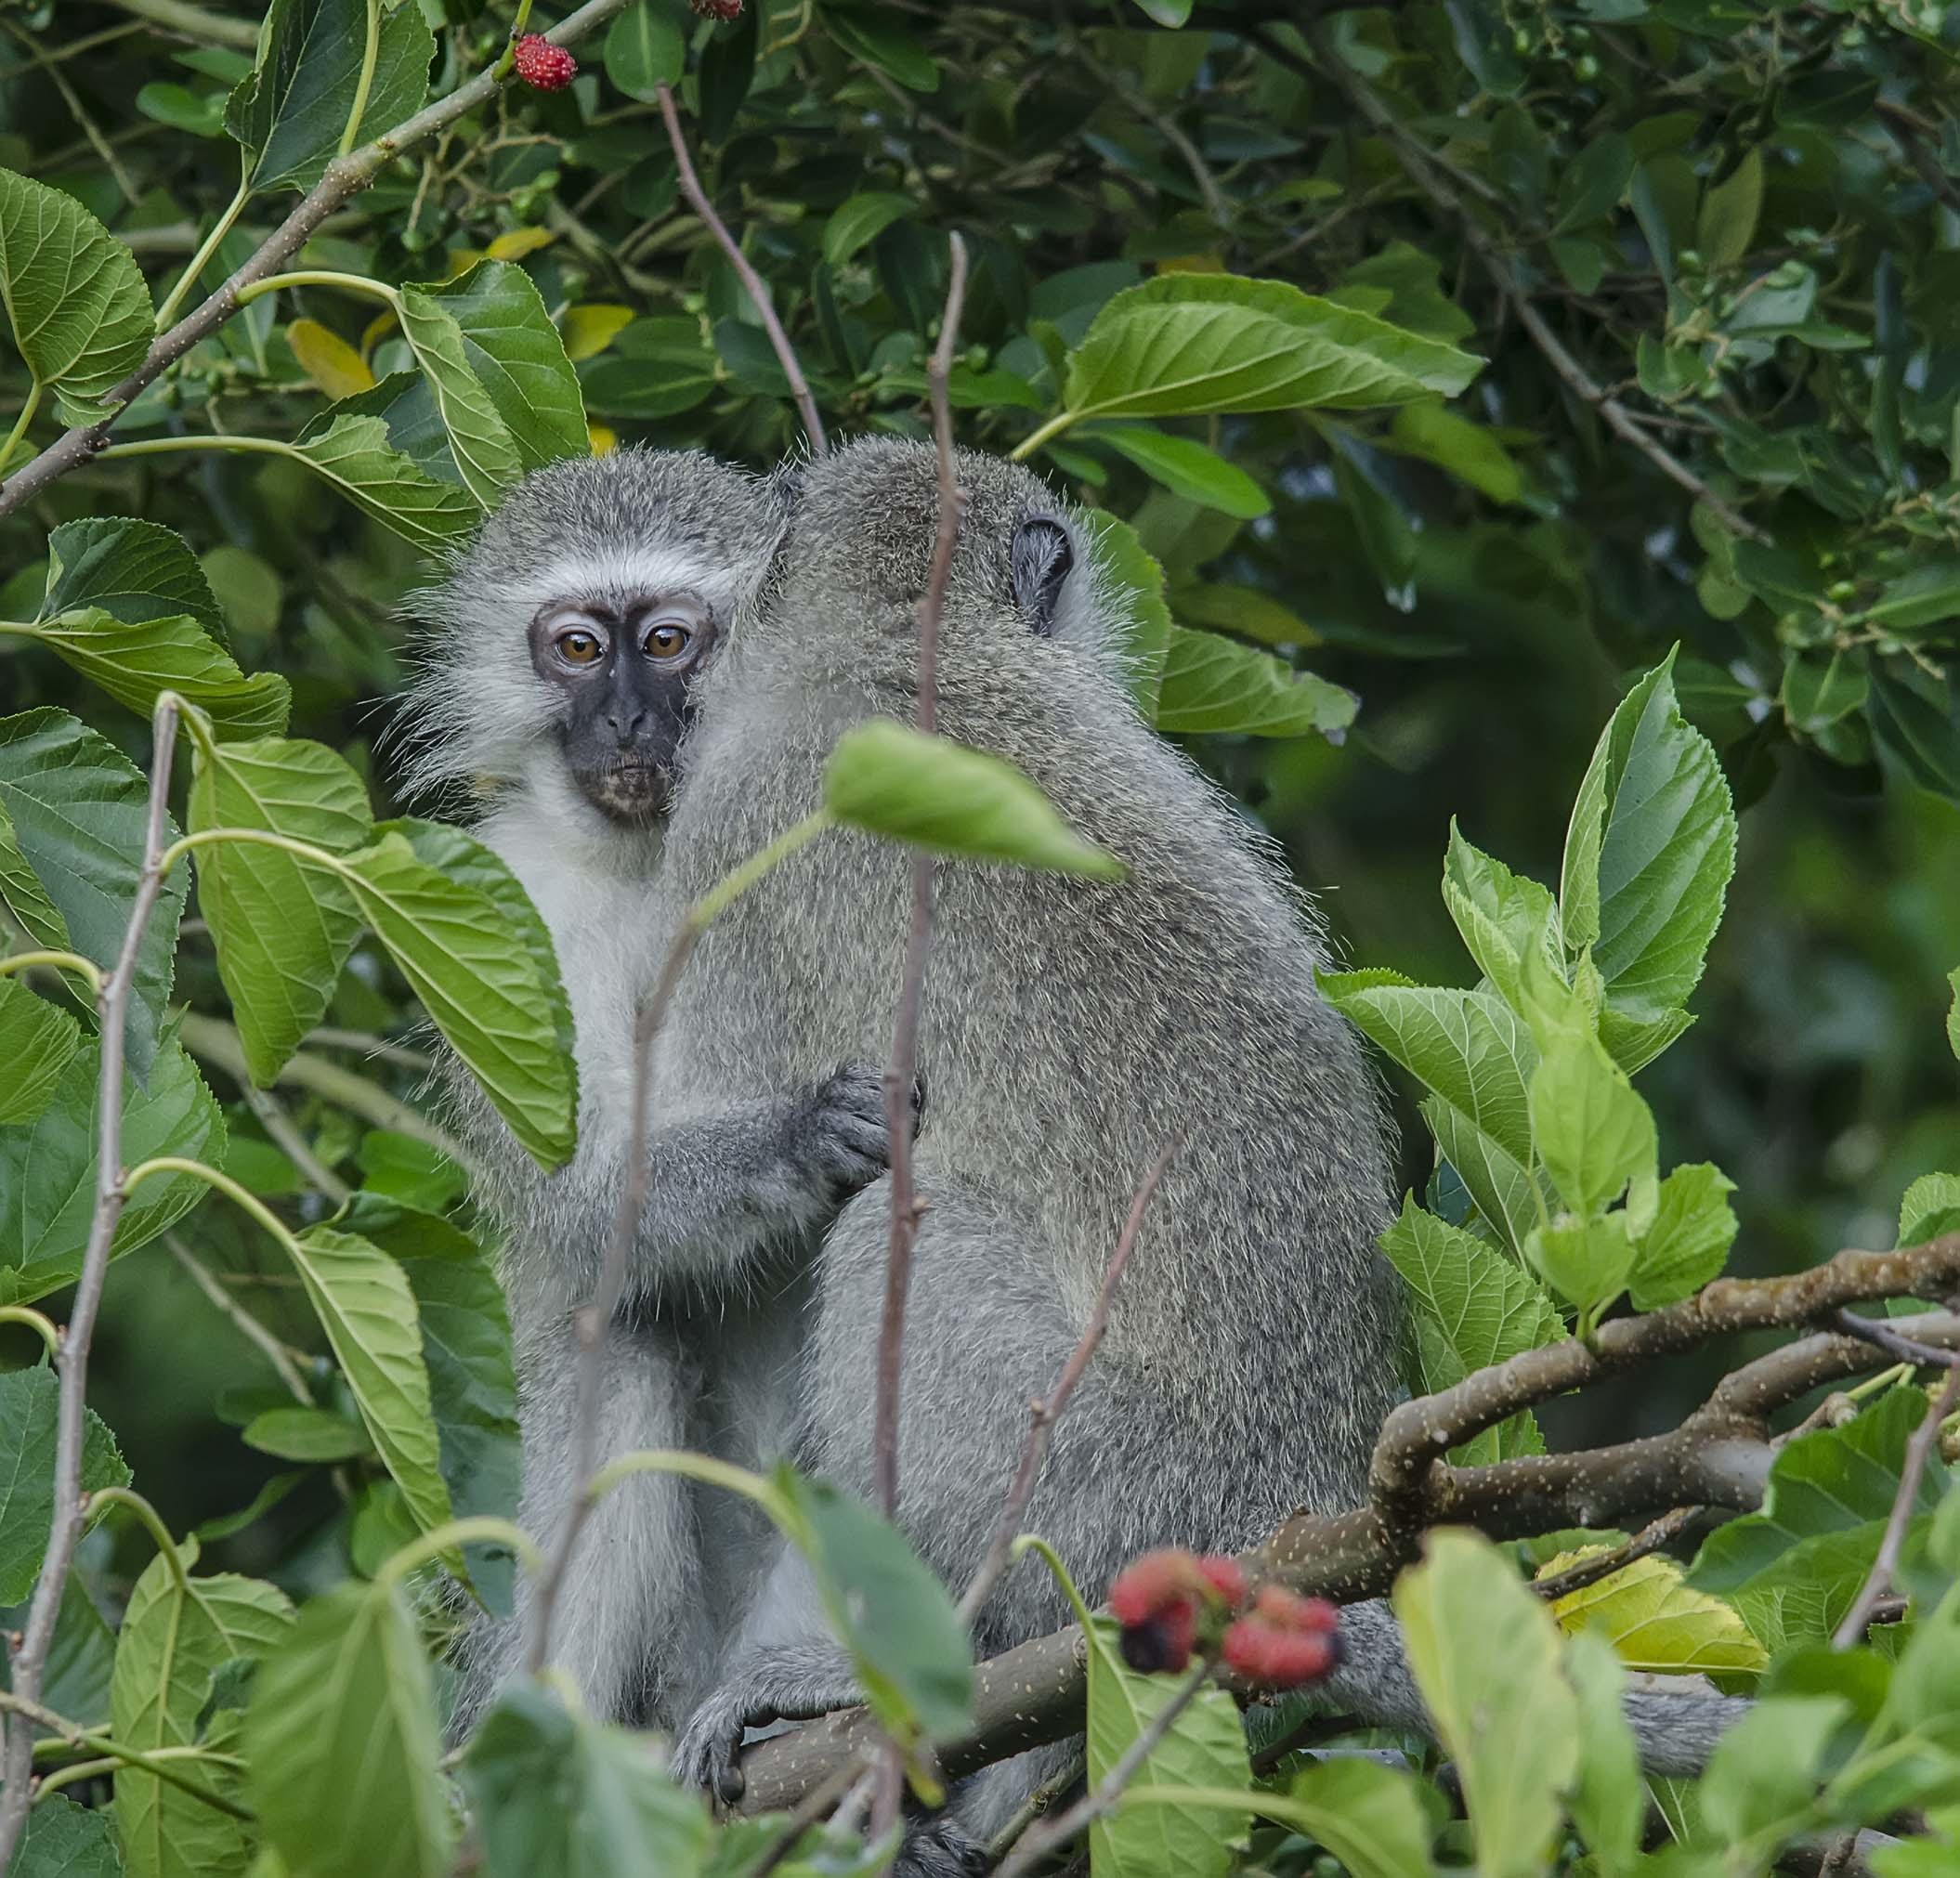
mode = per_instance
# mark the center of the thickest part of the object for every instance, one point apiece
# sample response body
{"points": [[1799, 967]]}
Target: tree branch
{"points": [[344, 177]]}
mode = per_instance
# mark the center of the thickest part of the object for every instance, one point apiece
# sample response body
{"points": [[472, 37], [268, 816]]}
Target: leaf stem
{"points": [[87, 970], [369, 52], [166, 1545], [220, 229], [503, 67], [1053, 427], [225, 1184], [164, 446], [28, 1714], [43, 1327], [473, 1531], [20, 423], [782, 1514], [321, 277]]}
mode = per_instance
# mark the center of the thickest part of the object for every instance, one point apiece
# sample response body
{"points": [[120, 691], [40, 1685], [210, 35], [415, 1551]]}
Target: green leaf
{"points": [[1502, 916], [858, 220], [869, 37], [1688, 1242], [1188, 343], [516, 353], [1585, 1262], [1206, 1747], [365, 1305], [484, 453], [76, 300], [283, 928], [343, 1745], [1655, 1622], [1132, 581], [171, 1645], [1249, 612], [558, 1796], [908, 1649], [1726, 225], [354, 453], [481, 984], [306, 1434], [291, 113], [1468, 450], [1486, 1658], [1591, 189], [893, 781], [1212, 686], [134, 571], [36, 1040], [1921, 738], [1952, 1013], [1186, 468], [23, 897], [1370, 1816], [79, 810], [135, 663], [1474, 1307], [29, 1406], [657, 367], [1171, 13], [1649, 854], [1763, 1774], [645, 48], [66, 1841], [1608, 1802], [47, 1169], [1507, 1195], [1592, 1131], [1930, 1207], [467, 1349]]}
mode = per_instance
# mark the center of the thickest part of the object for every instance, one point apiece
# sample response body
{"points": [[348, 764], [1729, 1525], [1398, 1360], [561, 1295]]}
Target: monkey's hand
{"points": [[838, 1137], [792, 1682]]}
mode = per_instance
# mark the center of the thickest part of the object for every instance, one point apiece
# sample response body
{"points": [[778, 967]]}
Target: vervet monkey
{"points": [[1069, 1031], [565, 645]]}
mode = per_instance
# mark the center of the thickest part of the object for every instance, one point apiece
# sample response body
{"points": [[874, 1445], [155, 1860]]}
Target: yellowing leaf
{"points": [[460, 260], [590, 329], [517, 242], [334, 366], [604, 438], [1654, 1622], [376, 329], [1210, 262]]}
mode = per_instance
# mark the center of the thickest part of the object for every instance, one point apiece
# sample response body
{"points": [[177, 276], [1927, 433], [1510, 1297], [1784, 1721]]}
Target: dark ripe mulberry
{"points": [[1161, 1643]]}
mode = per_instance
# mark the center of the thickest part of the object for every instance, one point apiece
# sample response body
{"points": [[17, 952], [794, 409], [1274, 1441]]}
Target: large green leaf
{"points": [[1763, 1774], [1186, 468], [1212, 686], [892, 781], [36, 1040], [516, 354], [1133, 579], [79, 808], [64, 1840], [1608, 1802], [1688, 1242], [365, 1304], [171, 1645], [353, 452], [559, 1796], [290, 114], [24, 897], [1206, 1747], [1657, 1623], [1185, 344], [1485, 1655], [283, 928], [75, 297], [466, 1350], [1474, 1307], [482, 987], [29, 1402], [1370, 1816], [484, 450], [135, 662], [135, 570], [343, 1743], [1508, 1194], [1649, 854], [47, 1170]]}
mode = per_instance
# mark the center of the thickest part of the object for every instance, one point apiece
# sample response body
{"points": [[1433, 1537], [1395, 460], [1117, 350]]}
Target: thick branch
{"points": [[345, 176]]}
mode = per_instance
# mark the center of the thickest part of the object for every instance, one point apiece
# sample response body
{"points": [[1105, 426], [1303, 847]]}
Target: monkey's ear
{"points": [[1039, 564]]}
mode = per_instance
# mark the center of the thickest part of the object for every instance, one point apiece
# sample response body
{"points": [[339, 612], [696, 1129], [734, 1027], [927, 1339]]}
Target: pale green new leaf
{"points": [[1608, 1802], [343, 1744], [283, 928], [170, 1646], [1486, 1657], [1592, 1129], [36, 1040], [1206, 1747], [889, 779], [519, 356], [481, 985], [1132, 581], [484, 453], [1930, 1207], [354, 454], [75, 297], [365, 1305], [1501, 915], [135, 662], [1585, 1262], [1186, 468], [1211, 686], [1370, 1816], [1762, 1777], [1688, 1242]]}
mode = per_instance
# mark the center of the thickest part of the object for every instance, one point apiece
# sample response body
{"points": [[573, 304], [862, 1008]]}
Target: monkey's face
{"points": [[622, 674]]}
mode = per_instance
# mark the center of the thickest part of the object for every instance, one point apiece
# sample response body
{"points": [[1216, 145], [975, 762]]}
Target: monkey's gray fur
{"points": [[1069, 1031], [700, 1353]]}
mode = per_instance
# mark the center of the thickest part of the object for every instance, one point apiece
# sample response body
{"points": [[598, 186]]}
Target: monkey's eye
{"points": [[666, 639], [576, 645]]}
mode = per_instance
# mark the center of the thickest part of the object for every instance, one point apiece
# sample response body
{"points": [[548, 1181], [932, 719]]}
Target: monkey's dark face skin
{"points": [[625, 671]]}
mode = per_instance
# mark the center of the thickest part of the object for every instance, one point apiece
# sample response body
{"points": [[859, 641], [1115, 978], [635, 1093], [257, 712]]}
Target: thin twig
{"points": [[241, 1320], [286, 1136], [193, 22], [344, 177], [1653, 1537], [816, 1804], [1043, 1839], [758, 294], [1047, 1410], [1876, 1331], [901, 1078], [1030, 1810], [1878, 1581], [30, 1660]]}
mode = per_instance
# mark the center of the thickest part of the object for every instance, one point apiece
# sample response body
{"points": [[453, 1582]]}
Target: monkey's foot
{"points": [[790, 1683]]}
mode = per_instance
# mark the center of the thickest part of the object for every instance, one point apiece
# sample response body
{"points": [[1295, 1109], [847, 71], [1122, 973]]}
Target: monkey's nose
{"points": [[627, 722]]}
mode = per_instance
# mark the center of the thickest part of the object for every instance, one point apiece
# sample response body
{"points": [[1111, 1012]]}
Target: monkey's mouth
{"points": [[628, 791]]}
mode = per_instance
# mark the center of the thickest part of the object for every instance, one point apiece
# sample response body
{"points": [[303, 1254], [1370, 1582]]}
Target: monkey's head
{"points": [[564, 642]]}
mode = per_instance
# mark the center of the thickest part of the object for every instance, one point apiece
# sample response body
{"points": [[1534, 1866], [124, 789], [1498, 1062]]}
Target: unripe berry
{"points": [[717, 9], [1226, 1577], [1280, 1659], [541, 65], [1153, 1583], [1287, 1610]]}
